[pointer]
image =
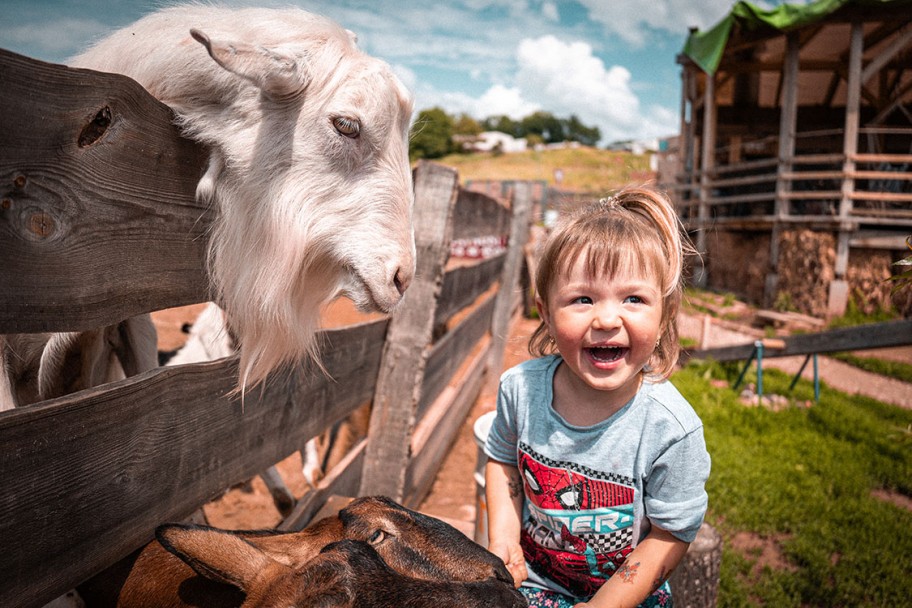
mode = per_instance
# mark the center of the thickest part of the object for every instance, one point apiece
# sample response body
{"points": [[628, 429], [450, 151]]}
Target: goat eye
{"points": [[377, 537], [349, 127]]}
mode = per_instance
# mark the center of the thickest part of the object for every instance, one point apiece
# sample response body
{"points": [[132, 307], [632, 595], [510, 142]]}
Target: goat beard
{"points": [[273, 292]]}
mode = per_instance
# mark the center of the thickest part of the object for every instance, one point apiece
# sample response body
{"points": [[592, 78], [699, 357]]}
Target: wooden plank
{"points": [[477, 214], [93, 230], [881, 158], [342, 480], [750, 180], [509, 282], [439, 429], [451, 350], [405, 350], [462, 285], [762, 163], [864, 337], [90, 475]]}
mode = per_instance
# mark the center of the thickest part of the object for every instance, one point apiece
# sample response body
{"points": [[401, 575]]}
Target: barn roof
{"points": [[747, 51], [749, 25]]}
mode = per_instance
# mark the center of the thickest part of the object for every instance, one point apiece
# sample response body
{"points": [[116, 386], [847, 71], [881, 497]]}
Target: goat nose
{"points": [[402, 280]]}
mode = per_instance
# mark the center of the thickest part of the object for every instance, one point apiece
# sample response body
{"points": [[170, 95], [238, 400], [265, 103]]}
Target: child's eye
{"points": [[582, 300], [634, 299]]}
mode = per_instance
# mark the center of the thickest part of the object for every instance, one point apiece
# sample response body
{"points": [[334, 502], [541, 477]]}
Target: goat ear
{"points": [[60, 365], [277, 73], [134, 343], [218, 555]]}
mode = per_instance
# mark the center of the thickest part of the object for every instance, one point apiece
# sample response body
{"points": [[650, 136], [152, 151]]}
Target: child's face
{"points": [[605, 328]]}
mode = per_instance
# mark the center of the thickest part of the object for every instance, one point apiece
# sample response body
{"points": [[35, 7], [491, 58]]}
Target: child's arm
{"points": [[504, 495], [644, 570]]}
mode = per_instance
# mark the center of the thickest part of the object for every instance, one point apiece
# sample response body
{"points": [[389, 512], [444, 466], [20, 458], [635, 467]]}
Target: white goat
{"points": [[35, 367], [309, 168]]}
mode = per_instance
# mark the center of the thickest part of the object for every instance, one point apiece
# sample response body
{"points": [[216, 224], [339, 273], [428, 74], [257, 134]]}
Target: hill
{"points": [[584, 169]]}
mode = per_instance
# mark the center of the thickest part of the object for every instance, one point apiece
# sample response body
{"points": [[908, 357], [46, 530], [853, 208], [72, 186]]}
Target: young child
{"points": [[595, 483]]}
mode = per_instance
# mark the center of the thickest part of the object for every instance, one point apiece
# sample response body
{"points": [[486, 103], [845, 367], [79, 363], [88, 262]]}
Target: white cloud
{"points": [[501, 100], [629, 18], [566, 78], [563, 78], [549, 11]]}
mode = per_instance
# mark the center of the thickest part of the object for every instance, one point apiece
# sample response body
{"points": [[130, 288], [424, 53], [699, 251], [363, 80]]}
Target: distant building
{"points": [[490, 141]]}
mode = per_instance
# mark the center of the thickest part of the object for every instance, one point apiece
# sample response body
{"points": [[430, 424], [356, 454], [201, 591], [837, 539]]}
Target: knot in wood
{"points": [[41, 224], [95, 129], [20, 181]]}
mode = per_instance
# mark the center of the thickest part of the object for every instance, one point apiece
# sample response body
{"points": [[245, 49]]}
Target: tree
{"points": [[501, 123], [577, 131], [432, 134], [466, 125], [544, 124]]}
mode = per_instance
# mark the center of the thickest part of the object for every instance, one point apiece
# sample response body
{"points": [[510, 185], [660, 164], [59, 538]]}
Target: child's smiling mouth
{"points": [[606, 354]]}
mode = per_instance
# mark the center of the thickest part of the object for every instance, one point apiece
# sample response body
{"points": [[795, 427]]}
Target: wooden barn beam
{"points": [[706, 167], [838, 293], [788, 122], [903, 39]]}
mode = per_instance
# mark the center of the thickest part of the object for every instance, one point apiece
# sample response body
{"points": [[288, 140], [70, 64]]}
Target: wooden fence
{"points": [[98, 222]]}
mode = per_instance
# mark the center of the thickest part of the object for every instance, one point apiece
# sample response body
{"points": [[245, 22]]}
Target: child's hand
{"points": [[512, 556]]}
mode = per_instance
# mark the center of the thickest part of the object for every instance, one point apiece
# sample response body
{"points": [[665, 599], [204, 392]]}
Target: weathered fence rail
{"points": [[98, 223], [864, 337]]}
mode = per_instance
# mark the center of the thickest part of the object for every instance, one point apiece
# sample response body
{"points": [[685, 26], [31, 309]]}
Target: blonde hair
{"points": [[635, 230]]}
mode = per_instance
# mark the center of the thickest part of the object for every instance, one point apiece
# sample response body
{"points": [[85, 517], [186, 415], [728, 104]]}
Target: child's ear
{"points": [[543, 312]]}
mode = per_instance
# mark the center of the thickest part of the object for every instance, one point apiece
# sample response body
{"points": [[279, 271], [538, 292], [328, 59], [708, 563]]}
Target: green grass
{"points": [[893, 369], [804, 477]]}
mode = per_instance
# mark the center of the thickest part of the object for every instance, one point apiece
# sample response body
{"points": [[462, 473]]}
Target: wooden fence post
{"points": [[405, 351], [509, 278], [695, 582]]}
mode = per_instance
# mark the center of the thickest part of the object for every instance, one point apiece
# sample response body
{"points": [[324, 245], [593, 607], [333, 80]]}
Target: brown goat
{"points": [[403, 552]]}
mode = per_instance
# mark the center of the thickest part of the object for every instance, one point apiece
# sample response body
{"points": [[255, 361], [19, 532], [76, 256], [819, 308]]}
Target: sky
{"points": [[612, 63]]}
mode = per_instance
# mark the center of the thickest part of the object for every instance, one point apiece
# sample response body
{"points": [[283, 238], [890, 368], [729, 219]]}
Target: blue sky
{"points": [[610, 62]]}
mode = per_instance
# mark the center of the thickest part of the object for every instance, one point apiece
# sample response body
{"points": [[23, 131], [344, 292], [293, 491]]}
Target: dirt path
{"points": [[834, 373]]}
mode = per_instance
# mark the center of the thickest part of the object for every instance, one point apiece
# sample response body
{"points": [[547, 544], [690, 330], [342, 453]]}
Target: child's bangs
{"points": [[621, 248]]}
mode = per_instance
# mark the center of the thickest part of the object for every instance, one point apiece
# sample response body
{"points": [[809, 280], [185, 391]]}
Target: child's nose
{"points": [[606, 317]]}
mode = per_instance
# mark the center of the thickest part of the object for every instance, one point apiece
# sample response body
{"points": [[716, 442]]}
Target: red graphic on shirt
{"points": [[581, 561]]}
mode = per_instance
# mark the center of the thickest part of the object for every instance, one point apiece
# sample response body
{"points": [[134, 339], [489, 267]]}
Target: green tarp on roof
{"points": [[706, 48]]}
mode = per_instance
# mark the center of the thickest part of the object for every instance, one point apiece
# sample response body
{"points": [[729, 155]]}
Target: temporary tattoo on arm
{"points": [[664, 573], [628, 572], [515, 486]]}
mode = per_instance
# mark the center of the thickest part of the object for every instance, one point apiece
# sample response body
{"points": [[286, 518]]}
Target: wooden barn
{"points": [[793, 168]]}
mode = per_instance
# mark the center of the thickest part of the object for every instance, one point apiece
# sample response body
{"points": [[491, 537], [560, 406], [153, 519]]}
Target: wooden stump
{"points": [[695, 582]]}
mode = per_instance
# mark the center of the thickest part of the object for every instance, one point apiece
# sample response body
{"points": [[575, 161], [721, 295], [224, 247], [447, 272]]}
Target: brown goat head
{"points": [[345, 574], [191, 565]]}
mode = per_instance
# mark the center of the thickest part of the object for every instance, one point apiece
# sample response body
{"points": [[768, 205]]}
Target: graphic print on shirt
{"points": [[579, 528]]}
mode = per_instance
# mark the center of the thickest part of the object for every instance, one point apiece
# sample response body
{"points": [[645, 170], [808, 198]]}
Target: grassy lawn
{"points": [[799, 484], [584, 169]]}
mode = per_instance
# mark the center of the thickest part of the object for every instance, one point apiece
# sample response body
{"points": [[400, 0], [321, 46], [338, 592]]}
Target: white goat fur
{"points": [[35, 367], [306, 211]]}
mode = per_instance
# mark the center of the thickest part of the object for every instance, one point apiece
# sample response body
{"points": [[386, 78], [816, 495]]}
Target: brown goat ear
{"points": [[218, 555]]}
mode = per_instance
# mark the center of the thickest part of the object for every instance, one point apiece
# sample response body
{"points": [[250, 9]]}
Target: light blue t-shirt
{"points": [[592, 493]]}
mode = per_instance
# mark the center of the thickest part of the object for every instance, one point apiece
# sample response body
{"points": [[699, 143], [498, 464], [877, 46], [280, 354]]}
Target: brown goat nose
{"points": [[402, 281]]}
